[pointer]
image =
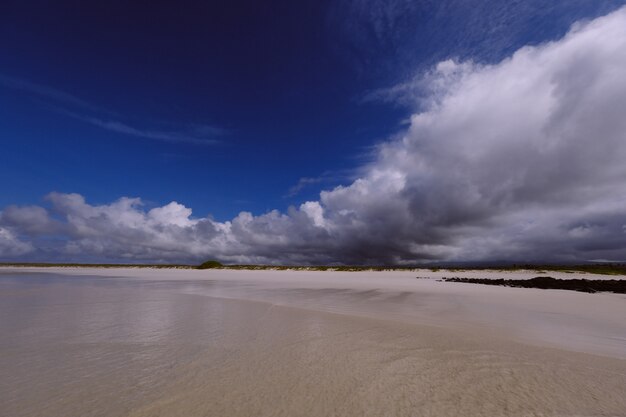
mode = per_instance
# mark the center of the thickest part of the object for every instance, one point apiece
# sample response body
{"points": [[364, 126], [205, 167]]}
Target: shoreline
{"points": [[145, 349], [163, 342], [569, 320]]}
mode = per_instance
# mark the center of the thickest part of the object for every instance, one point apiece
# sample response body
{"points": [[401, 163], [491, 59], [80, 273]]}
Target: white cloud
{"points": [[520, 160], [10, 246]]}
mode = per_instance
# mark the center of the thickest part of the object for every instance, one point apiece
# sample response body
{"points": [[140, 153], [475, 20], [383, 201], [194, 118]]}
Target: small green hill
{"points": [[210, 265]]}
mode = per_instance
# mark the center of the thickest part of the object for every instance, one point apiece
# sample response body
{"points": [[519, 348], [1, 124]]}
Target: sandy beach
{"points": [[147, 342]]}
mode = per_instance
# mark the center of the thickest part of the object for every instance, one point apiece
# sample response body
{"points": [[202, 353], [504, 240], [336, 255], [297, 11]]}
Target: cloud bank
{"points": [[522, 160]]}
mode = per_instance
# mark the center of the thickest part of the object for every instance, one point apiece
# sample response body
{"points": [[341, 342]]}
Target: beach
{"points": [[167, 342]]}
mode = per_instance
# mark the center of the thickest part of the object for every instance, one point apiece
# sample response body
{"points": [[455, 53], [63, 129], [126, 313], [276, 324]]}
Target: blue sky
{"points": [[280, 81], [224, 108]]}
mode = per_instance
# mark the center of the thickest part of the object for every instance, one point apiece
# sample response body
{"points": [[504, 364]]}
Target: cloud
{"points": [[521, 160], [302, 184], [327, 177], [394, 39], [47, 92], [194, 134], [420, 91], [198, 136], [11, 247]]}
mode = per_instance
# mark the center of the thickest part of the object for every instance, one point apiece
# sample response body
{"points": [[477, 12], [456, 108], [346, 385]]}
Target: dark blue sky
{"points": [[225, 106]]}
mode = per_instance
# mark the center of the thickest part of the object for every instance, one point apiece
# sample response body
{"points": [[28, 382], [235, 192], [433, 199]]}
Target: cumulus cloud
{"points": [[10, 246], [522, 160]]}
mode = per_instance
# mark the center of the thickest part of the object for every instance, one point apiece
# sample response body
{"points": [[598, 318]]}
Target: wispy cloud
{"points": [[424, 87], [327, 177], [59, 101], [160, 135], [301, 184], [47, 92], [393, 40]]}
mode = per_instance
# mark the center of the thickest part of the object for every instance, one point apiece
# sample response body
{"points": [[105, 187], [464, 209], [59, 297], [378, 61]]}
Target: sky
{"points": [[313, 132]]}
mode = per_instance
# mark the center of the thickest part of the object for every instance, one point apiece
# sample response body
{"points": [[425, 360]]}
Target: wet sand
{"points": [[241, 343]]}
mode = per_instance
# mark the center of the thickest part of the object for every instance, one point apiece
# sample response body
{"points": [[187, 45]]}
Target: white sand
{"points": [[581, 322], [152, 342]]}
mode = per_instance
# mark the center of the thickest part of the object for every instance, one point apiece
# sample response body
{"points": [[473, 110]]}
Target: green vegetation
{"points": [[210, 265]]}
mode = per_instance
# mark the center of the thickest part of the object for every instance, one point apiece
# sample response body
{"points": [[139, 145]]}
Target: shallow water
{"points": [[94, 346]]}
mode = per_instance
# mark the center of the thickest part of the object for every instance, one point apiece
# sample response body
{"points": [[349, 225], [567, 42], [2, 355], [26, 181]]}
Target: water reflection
{"points": [[92, 346], [115, 339]]}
